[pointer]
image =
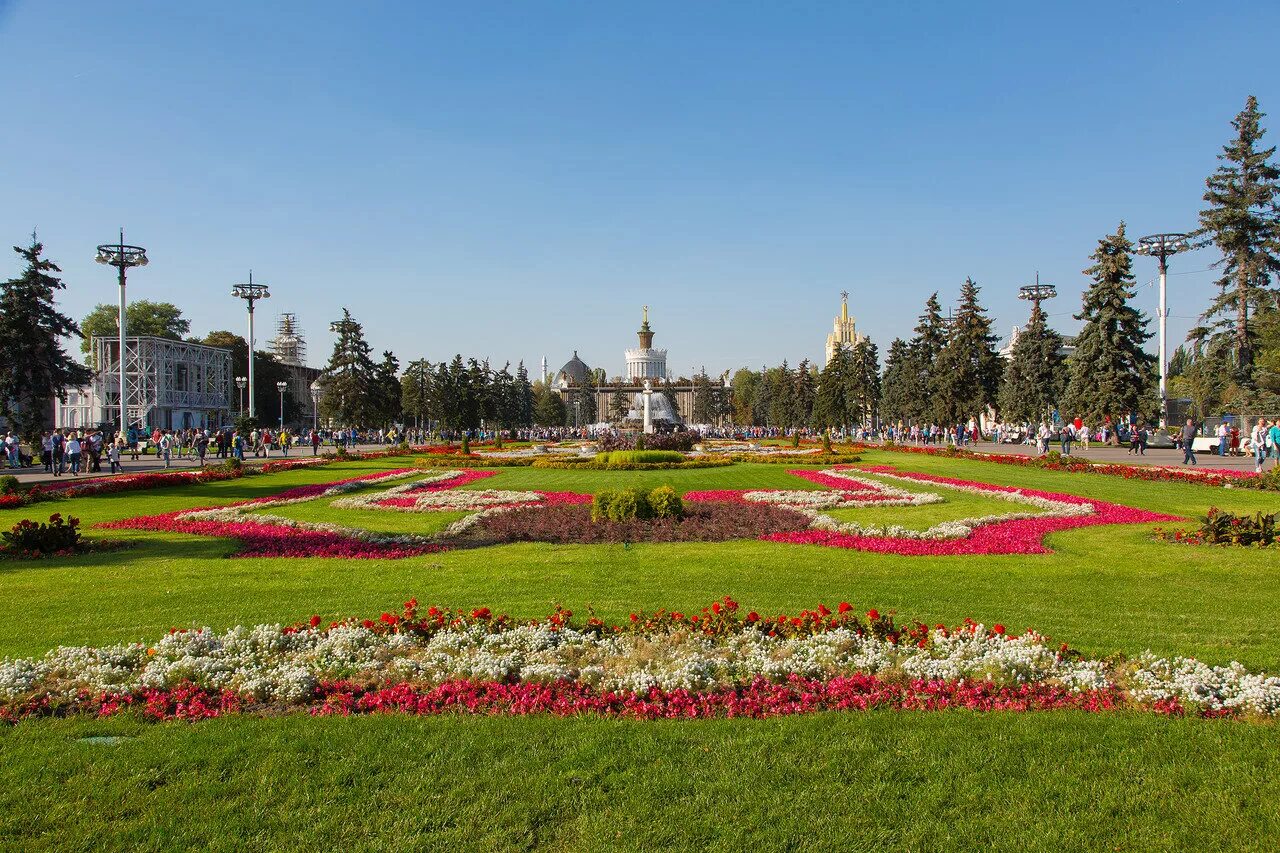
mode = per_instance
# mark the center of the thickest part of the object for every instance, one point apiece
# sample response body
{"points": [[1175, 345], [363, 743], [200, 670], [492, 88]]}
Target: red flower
{"points": [[315, 621], [844, 607], [998, 629], [753, 616], [715, 607], [873, 614]]}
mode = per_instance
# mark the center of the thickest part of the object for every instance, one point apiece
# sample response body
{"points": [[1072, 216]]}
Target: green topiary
{"points": [[795, 438], [665, 503], [826, 441], [8, 484], [466, 445], [601, 504]]}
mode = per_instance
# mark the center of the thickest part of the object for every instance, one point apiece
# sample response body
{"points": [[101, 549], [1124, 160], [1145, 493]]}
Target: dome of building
{"points": [[574, 372]]}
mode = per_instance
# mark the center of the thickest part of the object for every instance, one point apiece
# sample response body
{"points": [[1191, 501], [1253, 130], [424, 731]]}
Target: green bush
{"points": [[640, 441], [621, 505], [665, 503], [466, 445], [600, 505], [826, 441], [8, 485], [795, 438], [622, 457]]}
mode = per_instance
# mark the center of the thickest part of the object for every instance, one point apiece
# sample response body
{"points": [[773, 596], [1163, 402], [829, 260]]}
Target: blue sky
{"points": [[517, 179]]}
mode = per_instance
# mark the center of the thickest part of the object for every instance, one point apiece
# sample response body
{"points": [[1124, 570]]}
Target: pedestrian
{"points": [[113, 457], [1188, 437], [46, 452], [74, 451], [1258, 443], [164, 446], [11, 450], [1273, 440], [1067, 434], [202, 446], [1224, 434], [315, 443]]}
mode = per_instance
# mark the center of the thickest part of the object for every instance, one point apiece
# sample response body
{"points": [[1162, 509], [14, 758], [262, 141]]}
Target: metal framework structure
{"points": [[289, 346], [1037, 293], [162, 378]]}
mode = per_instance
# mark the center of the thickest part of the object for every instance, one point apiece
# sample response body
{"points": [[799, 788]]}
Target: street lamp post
{"points": [[250, 293], [1161, 247], [122, 257], [1035, 294], [240, 383], [315, 405], [281, 386]]}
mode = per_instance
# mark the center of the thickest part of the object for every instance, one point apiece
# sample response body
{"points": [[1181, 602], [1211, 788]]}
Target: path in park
{"points": [[147, 464], [1095, 453]]}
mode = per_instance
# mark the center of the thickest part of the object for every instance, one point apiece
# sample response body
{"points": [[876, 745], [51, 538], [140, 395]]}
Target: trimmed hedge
{"points": [[635, 504], [797, 458], [645, 456], [585, 464]]}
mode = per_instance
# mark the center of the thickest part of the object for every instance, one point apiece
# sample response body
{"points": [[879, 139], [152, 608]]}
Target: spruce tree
{"points": [[415, 390], [925, 347], [1242, 221], [387, 388], [967, 372], [619, 406], [1110, 373], [524, 391], [863, 372], [803, 396], [831, 405], [36, 368], [901, 376], [549, 410], [351, 392], [703, 398], [1035, 375]]}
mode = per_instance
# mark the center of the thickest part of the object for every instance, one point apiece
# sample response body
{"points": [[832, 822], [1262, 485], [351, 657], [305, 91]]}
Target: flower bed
{"points": [[720, 662], [700, 522], [1225, 528], [1077, 464], [1008, 533], [265, 535]]}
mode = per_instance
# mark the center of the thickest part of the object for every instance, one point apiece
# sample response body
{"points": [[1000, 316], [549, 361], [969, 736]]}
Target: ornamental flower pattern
{"points": [[657, 665]]}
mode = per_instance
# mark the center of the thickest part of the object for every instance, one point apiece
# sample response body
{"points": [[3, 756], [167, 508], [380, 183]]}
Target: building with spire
{"points": [[845, 334], [645, 362]]}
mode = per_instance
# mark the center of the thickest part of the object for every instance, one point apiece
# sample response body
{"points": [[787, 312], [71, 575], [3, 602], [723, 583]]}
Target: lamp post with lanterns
{"points": [[281, 386], [240, 383], [122, 256], [1161, 247], [316, 388], [250, 293]]}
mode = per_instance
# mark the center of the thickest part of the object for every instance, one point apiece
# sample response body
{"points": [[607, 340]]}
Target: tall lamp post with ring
{"points": [[281, 386], [1161, 247], [251, 293], [240, 383], [1035, 294], [122, 256]]}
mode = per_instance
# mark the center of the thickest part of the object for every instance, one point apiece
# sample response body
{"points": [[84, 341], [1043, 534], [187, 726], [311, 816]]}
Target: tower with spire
{"points": [[645, 362], [845, 334]]}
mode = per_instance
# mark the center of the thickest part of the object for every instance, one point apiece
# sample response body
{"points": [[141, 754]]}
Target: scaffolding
{"points": [[168, 384], [289, 346]]}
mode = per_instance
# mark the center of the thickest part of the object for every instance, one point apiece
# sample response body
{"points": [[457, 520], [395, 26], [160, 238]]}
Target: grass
{"points": [[859, 781], [955, 505], [948, 780]]}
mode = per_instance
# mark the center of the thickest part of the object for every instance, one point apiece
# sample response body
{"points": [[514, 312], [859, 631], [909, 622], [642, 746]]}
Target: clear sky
{"points": [[516, 179]]}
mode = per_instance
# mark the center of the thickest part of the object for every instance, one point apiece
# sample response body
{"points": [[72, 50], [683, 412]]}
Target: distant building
{"points": [[169, 384], [1065, 351], [645, 362], [844, 335], [289, 346]]}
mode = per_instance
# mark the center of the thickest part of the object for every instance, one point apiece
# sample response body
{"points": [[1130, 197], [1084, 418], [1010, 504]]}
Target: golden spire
{"points": [[844, 306]]}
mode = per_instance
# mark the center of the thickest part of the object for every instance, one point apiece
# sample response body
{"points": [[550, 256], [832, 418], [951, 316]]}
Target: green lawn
{"points": [[1055, 780]]}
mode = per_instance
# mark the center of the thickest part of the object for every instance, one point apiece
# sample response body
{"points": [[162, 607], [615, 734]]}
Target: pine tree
{"points": [[1035, 375], [831, 406], [549, 410], [619, 406], [1110, 373], [863, 372], [901, 377], [415, 391], [350, 390], [524, 391], [803, 396], [36, 368], [704, 404], [386, 377], [967, 372], [781, 398], [925, 347], [1242, 221]]}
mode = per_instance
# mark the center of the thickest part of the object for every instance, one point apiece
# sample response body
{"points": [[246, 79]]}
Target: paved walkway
{"points": [[146, 464], [1121, 455]]}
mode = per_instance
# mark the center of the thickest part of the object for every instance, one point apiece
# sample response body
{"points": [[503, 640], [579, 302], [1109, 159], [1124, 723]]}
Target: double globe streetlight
{"points": [[122, 256], [1162, 247], [281, 386]]}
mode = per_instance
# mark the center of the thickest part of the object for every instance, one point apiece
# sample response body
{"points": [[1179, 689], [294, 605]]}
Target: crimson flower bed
{"points": [[702, 522]]}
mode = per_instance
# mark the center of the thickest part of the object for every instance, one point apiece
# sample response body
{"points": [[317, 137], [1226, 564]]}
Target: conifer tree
{"points": [[548, 410], [803, 395], [525, 392], [967, 371], [900, 378], [415, 391], [36, 368], [1242, 220], [925, 348], [1035, 374], [831, 406], [1110, 373], [350, 390], [387, 388], [704, 404], [863, 376]]}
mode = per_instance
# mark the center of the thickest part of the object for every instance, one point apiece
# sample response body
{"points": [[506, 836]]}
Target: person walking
{"points": [[315, 443], [1224, 438], [1273, 440], [1188, 437], [164, 447], [1068, 432], [1258, 443], [74, 450], [46, 452], [113, 457], [202, 446], [11, 450]]}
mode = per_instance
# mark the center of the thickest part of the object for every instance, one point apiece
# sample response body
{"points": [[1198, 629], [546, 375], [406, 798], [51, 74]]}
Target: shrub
{"points": [[600, 504], [826, 441], [8, 485], [1225, 528], [1268, 482], [682, 441], [29, 537], [641, 443], [795, 438], [621, 457], [466, 445], [621, 505], [665, 503]]}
